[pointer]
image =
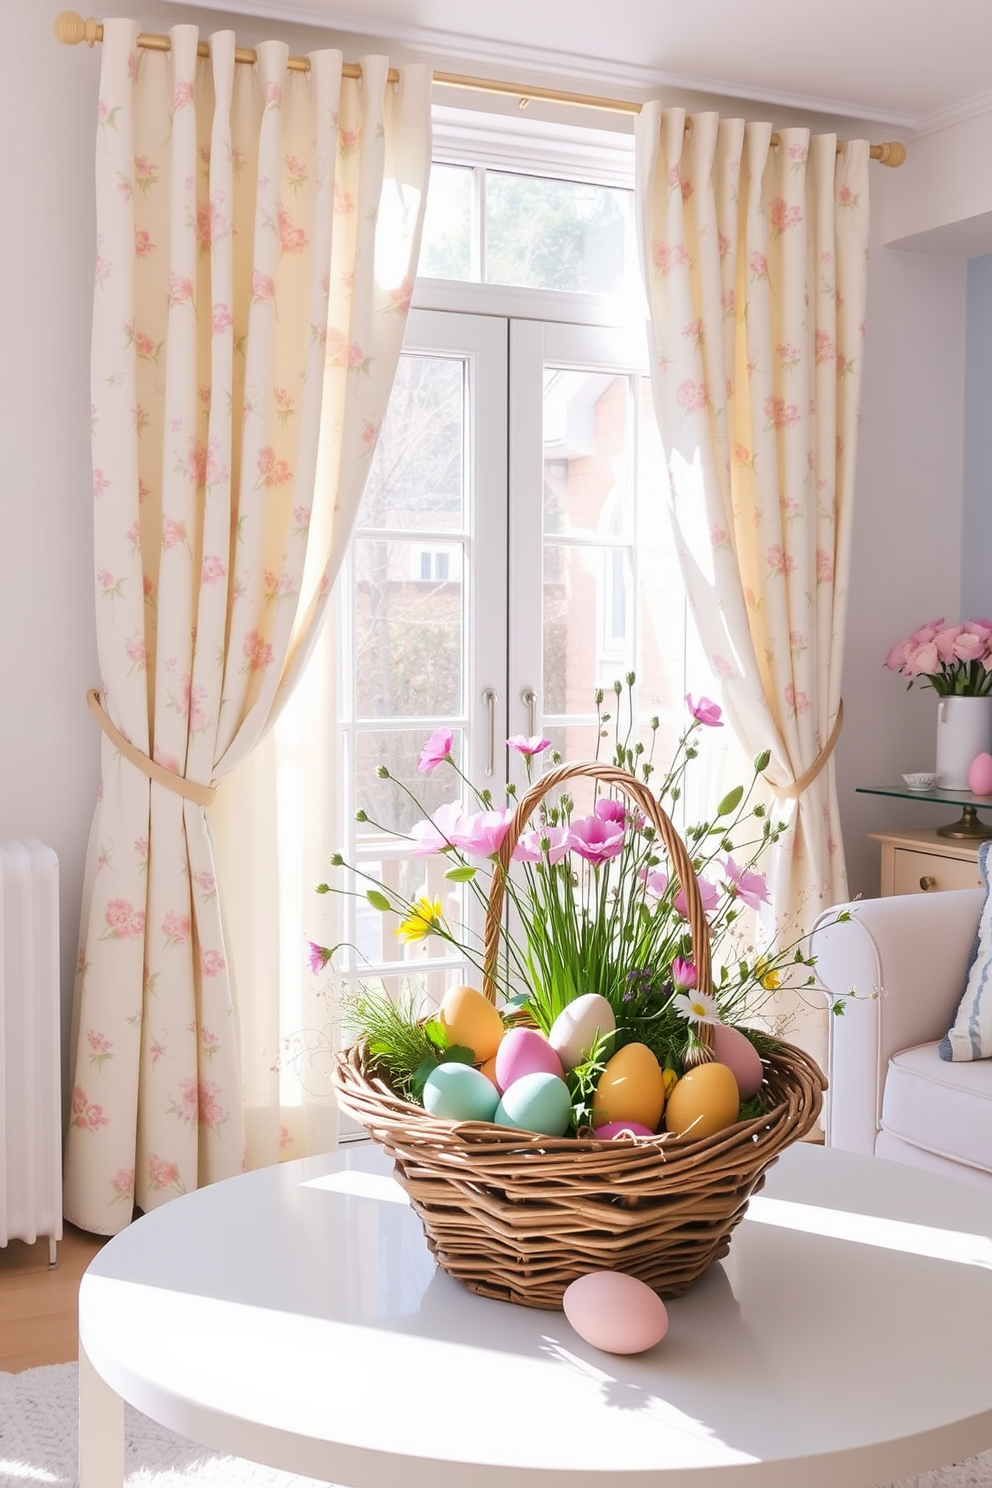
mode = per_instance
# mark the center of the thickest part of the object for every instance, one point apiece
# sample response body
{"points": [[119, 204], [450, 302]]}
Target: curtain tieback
{"points": [[793, 791], [178, 784]]}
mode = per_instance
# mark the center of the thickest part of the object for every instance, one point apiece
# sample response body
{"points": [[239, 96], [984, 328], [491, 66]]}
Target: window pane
{"points": [[417, 476], [446, 248], [582, 649], [547, 234], [587, 435], [408, 629], [385, 801]]}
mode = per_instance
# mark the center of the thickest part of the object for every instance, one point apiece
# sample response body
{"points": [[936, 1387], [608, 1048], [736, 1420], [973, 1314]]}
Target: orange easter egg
{"points": [[469, 1019], [631, 1088]]}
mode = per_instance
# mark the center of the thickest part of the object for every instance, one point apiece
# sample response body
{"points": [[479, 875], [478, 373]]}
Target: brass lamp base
{"points": [[968, 826]]}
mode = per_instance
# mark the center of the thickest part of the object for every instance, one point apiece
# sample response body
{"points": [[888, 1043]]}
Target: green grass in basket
{"points": [[397, 1043]]}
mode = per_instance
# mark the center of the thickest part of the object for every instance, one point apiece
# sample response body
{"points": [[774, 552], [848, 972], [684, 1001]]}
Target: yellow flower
{"points": [[425, 918], [767, 975]]}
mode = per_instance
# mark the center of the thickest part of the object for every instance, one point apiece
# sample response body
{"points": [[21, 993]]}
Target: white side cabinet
{"points": [[920, 862]]}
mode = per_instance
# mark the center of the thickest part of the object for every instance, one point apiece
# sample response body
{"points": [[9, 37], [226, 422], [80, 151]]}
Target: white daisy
{"points": [[697, 1007]]}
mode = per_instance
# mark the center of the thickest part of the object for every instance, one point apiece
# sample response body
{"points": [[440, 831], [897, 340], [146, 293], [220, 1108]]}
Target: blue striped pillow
{"points": [[970, 1035]]}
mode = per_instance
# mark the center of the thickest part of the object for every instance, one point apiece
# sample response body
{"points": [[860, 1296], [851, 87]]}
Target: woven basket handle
{"points": [[677, 855]]}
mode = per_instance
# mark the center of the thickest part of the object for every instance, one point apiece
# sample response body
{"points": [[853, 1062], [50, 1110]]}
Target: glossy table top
{"points": [[294, 1316]]}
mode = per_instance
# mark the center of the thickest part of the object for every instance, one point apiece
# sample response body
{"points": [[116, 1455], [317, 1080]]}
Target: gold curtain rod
{"points": [[72, 29]]}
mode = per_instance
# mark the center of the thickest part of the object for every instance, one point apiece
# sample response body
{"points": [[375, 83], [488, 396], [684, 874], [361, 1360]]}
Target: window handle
{"points": [[490, 699], [529, 699]]}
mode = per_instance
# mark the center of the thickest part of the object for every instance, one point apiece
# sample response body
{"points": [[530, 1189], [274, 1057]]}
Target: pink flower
{"points": [[212, 963], [780, 562], [317, 957], [758, 265], [160, 1172], [609, 810], [594, 839], [437, 748], [175, 927], [945, 641], [257, 651], [263, 287], [271, 470], [745, 885], [180, 289], [780, 415], [173, 533], [683, 974], [896, 659], [969, 646], [221, 319], [669, 256], [824, 566], [482, 835], [291, 239], [437, 833], [691, 396], [705, 711], [543, 842], [212, 570], [534, 744], [783, 216], [143, 244], [709, 894]]}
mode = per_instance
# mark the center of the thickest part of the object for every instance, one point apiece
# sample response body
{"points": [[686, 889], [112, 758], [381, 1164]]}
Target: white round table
{"points": [[295, 1317]]}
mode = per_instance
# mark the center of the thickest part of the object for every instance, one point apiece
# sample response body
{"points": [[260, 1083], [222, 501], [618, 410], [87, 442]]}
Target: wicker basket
{"points": [[518, 1216]]}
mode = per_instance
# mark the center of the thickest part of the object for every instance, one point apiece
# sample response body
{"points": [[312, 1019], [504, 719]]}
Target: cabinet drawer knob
{"points": [[928, 882]]}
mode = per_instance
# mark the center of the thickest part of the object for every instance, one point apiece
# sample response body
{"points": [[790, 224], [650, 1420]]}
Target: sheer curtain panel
{"points": [[754, 253], [257, 237]]}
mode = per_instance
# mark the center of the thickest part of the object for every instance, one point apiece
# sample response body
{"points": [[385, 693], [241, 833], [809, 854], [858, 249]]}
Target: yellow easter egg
{"points": [[630, 1088], [469, 1019], [704, 1101]]}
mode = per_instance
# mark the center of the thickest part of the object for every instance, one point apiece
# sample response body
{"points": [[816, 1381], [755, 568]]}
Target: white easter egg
{"points": [[574, 1030]]}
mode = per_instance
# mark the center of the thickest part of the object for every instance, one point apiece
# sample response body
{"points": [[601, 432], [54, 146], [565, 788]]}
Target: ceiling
{"points": [[909, 64]]}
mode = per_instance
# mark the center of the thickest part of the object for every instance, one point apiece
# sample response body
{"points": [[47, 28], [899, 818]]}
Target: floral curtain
{"points": [[754, 254], [257, 236]]}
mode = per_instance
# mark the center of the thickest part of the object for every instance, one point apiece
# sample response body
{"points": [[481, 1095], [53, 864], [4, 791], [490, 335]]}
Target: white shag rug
{"points": [[38, 1447]]}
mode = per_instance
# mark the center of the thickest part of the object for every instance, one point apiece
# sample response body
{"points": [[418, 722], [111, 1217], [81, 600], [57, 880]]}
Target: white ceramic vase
{"points": [[964, 731]]}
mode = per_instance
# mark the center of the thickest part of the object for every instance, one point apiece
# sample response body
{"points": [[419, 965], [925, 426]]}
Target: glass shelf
{"points": [[968, 826]]}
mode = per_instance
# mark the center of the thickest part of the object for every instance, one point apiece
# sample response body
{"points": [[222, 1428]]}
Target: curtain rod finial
{"points": [[892, 153], [71, 29]]}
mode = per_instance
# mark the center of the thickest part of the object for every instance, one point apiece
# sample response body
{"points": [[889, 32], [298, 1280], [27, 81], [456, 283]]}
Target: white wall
{"points": [[909, 487]]}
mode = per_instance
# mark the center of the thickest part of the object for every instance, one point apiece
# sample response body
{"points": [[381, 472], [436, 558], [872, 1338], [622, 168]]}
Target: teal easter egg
{"points": [[457, 1092], [538, 1103]]}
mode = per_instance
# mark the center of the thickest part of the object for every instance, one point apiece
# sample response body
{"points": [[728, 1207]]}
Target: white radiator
{"points": [[30, 1074]]}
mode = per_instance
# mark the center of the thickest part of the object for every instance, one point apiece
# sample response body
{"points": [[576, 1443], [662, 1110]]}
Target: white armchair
{"points": [[889, 1091]]}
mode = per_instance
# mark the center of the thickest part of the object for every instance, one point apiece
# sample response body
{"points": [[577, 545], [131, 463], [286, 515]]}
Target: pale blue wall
{"points": [[976, 514]]}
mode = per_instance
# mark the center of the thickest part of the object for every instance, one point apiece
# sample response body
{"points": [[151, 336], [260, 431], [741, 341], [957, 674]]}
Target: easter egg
{"points": [[469, 1019], [631, 1088], [704, 1101], [980, 775], [457, 1092], [524, 1051], [488, 1068], [623, 1129], [538, 1103], [736, 1051], [574, 1030], [615, 1312]]}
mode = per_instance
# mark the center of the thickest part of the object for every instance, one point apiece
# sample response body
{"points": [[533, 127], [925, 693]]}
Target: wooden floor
{"points": [[38, 1306]]}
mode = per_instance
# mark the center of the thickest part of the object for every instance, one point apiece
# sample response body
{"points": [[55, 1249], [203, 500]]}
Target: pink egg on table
{"points": [[615, 1312], [619, 1128], [980, 775], [524, 1051], [736, 1051]]}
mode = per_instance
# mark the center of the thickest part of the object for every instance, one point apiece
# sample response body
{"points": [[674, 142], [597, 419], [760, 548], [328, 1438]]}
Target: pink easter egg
{"points": [[615, 1312], [524, 1051], [736, 1051], [622, 1128], [980, 775]]}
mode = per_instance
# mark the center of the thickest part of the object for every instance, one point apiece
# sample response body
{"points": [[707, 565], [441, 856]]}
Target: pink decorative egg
{"points": [[615, 1312], [737, 1052], [980, 775], [524, 1051], [623, 1128]]}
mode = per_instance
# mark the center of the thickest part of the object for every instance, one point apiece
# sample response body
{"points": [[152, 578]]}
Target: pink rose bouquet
{"points": [[955, 660]]}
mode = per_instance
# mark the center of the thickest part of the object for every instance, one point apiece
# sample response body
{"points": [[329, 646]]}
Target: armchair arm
{"points": [[907, 957]]}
